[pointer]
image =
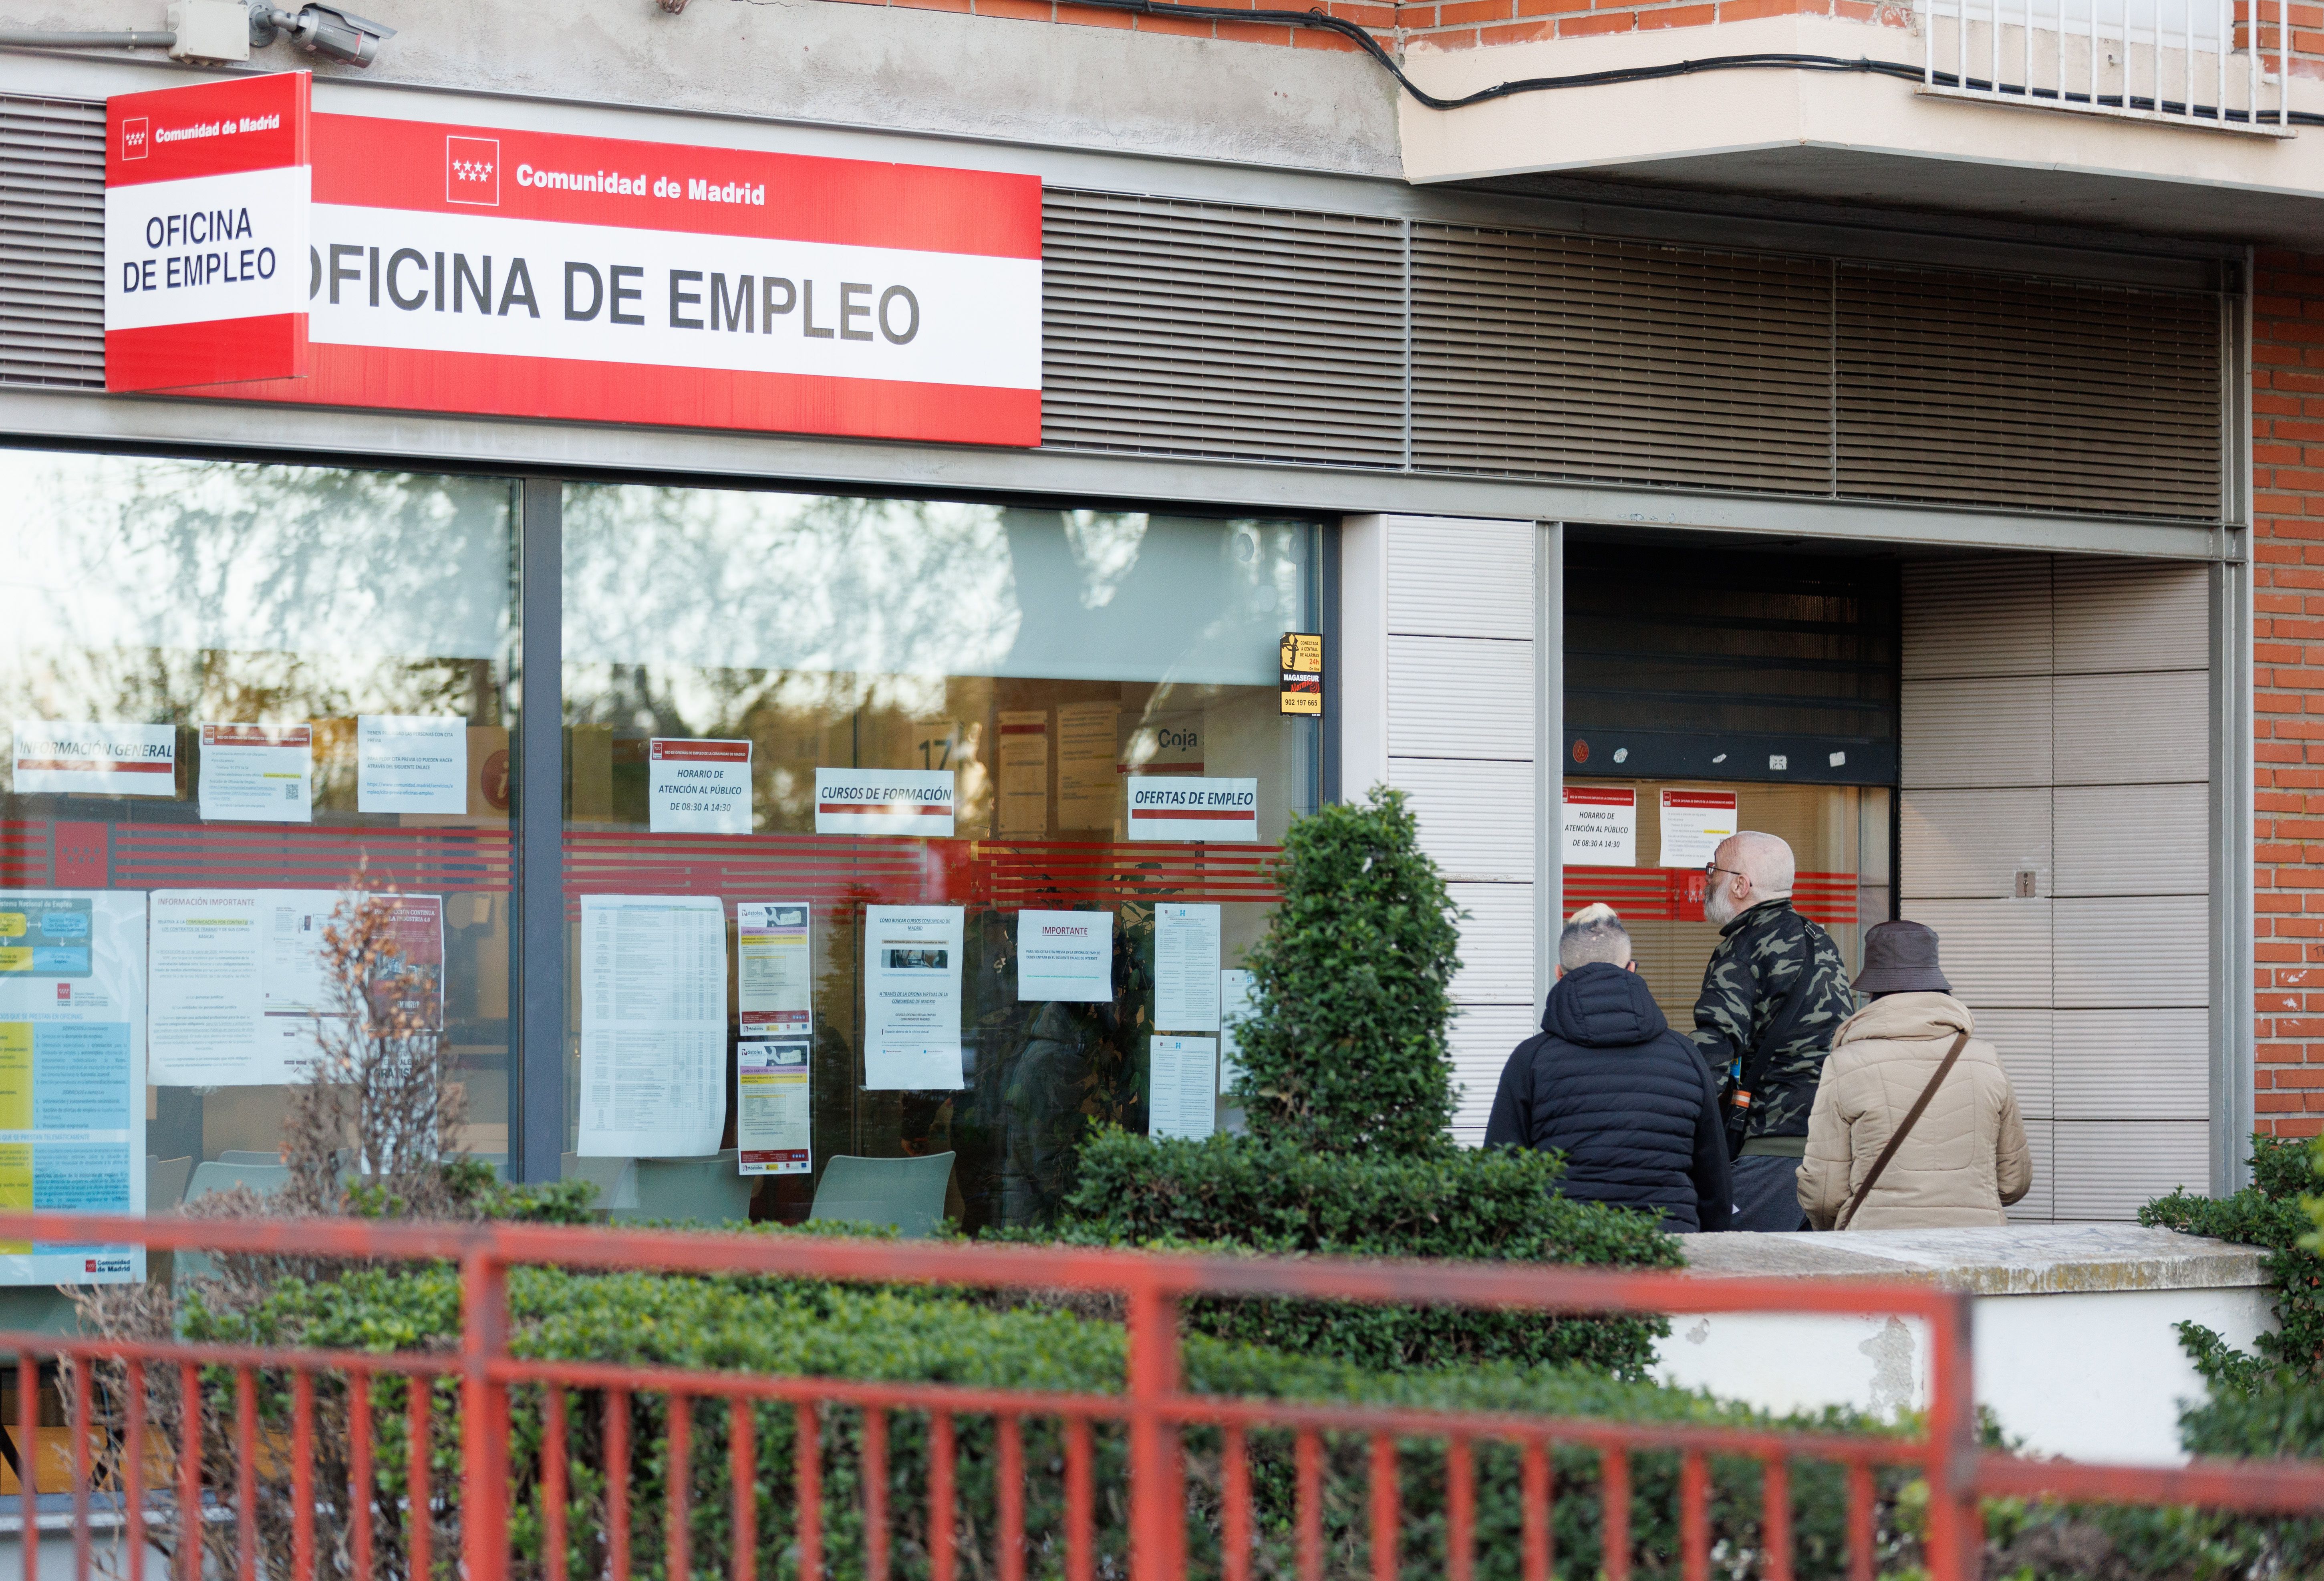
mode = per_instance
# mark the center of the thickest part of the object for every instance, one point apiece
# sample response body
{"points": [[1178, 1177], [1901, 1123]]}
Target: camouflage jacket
{"points": [[1760, 955]]}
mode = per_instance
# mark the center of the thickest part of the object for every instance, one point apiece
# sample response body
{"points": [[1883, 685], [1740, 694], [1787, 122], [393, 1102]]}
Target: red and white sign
{"points": [[1602, 827], [205, 215], [520, 273], [56, 759], [258, 773], [884, 801], [1694, 823], [697, 787], [1189, 809]]}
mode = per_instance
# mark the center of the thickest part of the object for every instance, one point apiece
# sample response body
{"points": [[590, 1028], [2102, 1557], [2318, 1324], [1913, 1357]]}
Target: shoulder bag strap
{"points": [[1904, 1129]]}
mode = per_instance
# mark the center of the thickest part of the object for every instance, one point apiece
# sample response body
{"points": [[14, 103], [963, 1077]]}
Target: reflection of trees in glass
{"points": [[170, 591]]}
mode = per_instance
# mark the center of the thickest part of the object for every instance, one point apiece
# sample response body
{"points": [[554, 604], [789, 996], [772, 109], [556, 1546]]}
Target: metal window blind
{"points": [[52, 242], [1576, 357], [1203, 329], [1991, 390]]}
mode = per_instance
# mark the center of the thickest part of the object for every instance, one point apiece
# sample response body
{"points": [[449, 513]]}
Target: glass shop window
{"points": [[231, 691], [905, 829]]}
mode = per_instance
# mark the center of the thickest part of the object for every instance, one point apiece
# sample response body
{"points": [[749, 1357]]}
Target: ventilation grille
{"points": [[1572, 357], [1990, 390], [52, 242], [1204, 329]]}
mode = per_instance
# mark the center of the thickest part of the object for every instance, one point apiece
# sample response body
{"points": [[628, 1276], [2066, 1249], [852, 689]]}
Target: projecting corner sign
{"points": [[257, 250]]}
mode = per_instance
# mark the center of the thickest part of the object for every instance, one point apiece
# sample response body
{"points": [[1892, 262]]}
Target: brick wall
{"points": [[2288, 688]]}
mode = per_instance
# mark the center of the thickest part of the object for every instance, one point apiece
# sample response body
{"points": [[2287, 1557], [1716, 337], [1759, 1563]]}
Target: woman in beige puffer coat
{"points": [[1965, 1159]]}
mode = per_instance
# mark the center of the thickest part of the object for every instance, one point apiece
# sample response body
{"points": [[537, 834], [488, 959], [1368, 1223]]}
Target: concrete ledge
{"points": [[2009, 1260]]}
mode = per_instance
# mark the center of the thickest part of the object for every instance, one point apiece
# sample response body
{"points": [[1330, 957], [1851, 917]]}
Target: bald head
{"points": [[1751, 867]]}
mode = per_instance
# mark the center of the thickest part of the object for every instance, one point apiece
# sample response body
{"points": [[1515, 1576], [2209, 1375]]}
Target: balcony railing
{"points": [[2215, 65]]}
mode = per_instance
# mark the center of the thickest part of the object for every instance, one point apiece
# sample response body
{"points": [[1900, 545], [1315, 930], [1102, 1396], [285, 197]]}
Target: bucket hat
{"points": [[1901, 957]]}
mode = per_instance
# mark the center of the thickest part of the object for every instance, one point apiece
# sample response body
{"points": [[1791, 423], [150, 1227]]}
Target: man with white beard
{"points": [[1772, 994]]}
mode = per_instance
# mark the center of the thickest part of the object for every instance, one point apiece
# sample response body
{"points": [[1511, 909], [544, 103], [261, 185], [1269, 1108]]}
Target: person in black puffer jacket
{"points": [[1608, 1084]]}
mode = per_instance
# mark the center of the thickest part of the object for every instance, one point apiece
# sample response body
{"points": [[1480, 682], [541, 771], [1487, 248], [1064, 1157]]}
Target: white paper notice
{"points": [[237, 992], [1695, 822], [1234, 1006], [96, 760], [653, 1026], [911, 998], [884, 801], [1065, 955], [774, 977], [1089, 785], [1182, 1086], [72, 1074], [258, 773], [1602, 827], [412, 763], [698, 787], [1186, 967], [1024, 774], [1172, 808], [773, 1122]]}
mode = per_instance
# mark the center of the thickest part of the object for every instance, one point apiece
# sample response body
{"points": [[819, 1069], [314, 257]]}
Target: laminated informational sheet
{"points": [[772, 1116], [697, 787], [1186, 969], [258, 773], [1025, 773], [885, 801], [72, 1074], [412, 763], [653, 1026], [1181, 808], [1089, 781], [67, 759], [911, 998], [774, 972], [237, 992], [1182, 1086], [1695, 825], [1602, 827], [1234, 1006], [1065, 955]]}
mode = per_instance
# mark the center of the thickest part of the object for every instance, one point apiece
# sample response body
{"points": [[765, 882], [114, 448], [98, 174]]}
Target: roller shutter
{"points": [[52, 242]]}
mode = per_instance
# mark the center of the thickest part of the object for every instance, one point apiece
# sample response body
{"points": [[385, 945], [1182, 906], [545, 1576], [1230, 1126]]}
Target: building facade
{"points": [[726, 720]]}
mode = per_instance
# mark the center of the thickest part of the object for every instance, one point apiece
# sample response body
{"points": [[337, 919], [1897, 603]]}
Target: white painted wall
{"points": [[2090, 1375]]}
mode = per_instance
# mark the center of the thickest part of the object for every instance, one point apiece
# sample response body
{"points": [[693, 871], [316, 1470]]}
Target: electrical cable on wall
{"points": [[1771, 61]]}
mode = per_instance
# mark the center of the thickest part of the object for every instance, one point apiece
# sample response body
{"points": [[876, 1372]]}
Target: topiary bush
{"points": [[2266, 1213], [1351, 989]]}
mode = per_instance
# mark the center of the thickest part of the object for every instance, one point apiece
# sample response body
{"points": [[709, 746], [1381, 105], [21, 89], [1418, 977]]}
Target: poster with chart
{"points": [[653, 1026], [774, 974], [72, 1074], [772, 1118], [238, 995]]}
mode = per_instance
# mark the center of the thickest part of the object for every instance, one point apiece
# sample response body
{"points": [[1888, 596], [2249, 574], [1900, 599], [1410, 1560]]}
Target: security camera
{"points": [[328, 30]]}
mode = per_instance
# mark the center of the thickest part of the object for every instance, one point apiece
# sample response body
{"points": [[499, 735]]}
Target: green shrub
{"points": [[765, 1327], [2267, 1213], [2262, 1405], [1279, 1197], [1345, 1051]]}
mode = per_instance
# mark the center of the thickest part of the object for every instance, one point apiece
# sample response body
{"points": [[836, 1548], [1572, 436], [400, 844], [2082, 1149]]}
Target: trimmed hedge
{"points": [[803, 1328], [1493, 1205]]}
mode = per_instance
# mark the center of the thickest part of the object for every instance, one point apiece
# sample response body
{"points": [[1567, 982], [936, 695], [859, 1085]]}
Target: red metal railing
{"points": [[221, 1387]]}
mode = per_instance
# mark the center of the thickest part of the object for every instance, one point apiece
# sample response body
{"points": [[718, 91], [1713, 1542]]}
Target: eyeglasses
{"points": [[1711, 869]]}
